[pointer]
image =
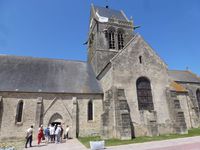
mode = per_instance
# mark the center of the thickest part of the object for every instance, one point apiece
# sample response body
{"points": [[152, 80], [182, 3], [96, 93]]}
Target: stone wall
{"points": [[92, 127], [1, 111], [177, 112], [39, 108], [193, 103], [107, 80], [116, 121], [9, 127], [127, 69], [185, 104]]}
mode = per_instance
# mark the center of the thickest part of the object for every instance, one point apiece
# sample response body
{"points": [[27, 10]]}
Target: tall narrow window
{"points": [[120, 40], [198, 97], [19, 111], [90, 110], [145, 101], [111, 36], [140, 59]]}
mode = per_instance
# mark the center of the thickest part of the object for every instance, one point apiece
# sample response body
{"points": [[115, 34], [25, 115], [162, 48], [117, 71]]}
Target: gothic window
{"points": [[144, 95], [90, 110], [120, 40], [19, 111], [111, 38], [198, 97]]}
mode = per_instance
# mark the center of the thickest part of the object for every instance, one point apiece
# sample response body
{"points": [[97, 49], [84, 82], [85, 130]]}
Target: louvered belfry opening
{"points": [[120, 40], [111, 36], [145, 100]]}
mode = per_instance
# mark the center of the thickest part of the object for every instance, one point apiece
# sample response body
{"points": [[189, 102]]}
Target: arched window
{"points": [[120, 36], [198, 97], [111, 38], [19, 111], [144, 95], [90, 110]]}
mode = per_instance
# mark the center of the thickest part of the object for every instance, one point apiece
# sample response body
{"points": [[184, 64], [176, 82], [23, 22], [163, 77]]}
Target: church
{"points": [[124, 90]]}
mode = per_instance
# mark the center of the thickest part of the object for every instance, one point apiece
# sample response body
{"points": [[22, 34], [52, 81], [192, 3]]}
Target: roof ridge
{"points": [[42, 58], [192, 73], [188, 71], [177, 70]]}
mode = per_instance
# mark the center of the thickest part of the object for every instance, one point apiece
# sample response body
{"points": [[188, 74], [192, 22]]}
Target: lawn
{"points": [[112, 142]]}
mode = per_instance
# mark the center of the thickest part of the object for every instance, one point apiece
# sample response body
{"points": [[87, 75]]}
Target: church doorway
{"points": [[56, 119], [55, 123]]}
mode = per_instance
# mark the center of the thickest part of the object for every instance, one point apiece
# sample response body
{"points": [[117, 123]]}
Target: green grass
{"points": [[18, 144], [112, 142]]}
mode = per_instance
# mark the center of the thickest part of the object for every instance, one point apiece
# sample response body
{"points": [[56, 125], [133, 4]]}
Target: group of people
{"points": [[52, 133]]}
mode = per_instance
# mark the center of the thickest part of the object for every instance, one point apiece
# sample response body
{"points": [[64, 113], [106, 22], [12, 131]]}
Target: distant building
{"points": [[124, 90]]}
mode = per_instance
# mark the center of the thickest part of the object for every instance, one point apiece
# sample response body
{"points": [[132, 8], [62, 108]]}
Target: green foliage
{"points": [[112, 142]]}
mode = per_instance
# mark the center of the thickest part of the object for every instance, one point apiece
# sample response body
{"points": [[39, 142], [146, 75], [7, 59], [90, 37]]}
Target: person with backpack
{"points": [[47, 134]]}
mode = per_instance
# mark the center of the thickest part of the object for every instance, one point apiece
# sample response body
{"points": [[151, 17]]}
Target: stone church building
{"points": [[124, 90]]}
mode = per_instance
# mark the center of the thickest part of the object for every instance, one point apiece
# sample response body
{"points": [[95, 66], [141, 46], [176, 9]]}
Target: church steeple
{"points": [[109, 31]]}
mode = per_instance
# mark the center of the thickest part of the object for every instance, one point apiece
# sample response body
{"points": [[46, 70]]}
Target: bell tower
{"points": [[109, 32]]}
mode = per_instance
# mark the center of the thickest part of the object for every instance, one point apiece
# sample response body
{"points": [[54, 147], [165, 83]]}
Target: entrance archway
{"points": [[56, 119]]}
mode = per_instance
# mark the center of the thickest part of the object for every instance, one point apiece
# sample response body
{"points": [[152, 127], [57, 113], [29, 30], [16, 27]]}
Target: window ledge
{"points": [[90, 121], [19, 123]]}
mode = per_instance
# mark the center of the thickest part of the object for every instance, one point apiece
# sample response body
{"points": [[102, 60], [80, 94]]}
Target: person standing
{"points": [[67, 132], [29, 136], [40, 134], [47, 134], [61, 133], [52, 131], [57, 134]]}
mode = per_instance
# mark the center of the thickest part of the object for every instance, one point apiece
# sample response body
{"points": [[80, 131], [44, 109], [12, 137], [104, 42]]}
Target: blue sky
{"points": [[58, 28]]}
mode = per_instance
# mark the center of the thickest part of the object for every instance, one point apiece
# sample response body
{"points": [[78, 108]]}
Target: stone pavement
{"points": [[191, 143], [72, 144]]}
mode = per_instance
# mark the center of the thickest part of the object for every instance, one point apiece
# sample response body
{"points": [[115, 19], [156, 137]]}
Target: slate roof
{"points": [[183, 76], [29, 74], [109, 13]]}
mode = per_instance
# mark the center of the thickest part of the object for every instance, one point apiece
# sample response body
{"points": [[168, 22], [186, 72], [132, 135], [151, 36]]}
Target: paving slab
{"points": [[72, 144]]}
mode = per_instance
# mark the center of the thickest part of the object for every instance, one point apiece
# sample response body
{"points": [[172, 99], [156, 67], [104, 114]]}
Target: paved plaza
{"points": [[191, 143]]}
